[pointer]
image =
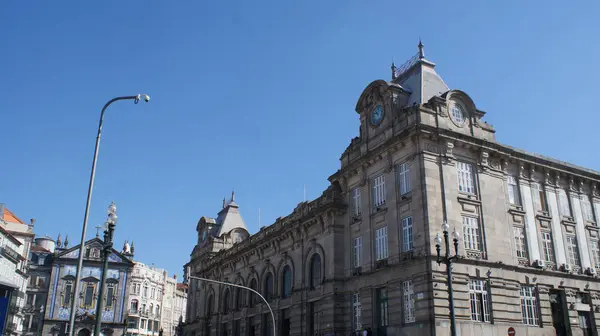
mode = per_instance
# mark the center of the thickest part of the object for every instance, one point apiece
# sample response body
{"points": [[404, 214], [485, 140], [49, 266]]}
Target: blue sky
{"points": [[258, 96]]}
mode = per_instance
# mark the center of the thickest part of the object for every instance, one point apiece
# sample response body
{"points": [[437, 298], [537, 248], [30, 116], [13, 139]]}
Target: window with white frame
{"points": [[407, 234], [513, 191], [547, 247], [586, 208], [409, 301], [357, 251], [379, 191], [595, 251], [480, 303], [357, 311], [403, 170], [563, 203], [381, 243], [466, 180], [529, 306], [539, 197], [520, 242], [573, 251], [471, 235], [356, 202]]}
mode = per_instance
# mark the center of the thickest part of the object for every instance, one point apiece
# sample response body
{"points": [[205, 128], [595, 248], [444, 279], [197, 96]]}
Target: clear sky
{"points": [[258, 96]]}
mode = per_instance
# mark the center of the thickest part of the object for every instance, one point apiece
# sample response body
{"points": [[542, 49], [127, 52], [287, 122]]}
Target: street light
{"points": [[243, 287], [135, 99], [109, 230], [448, 260]]}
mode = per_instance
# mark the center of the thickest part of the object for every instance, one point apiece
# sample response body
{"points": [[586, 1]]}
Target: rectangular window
{"points": [[382, 303], [586, 208], [513, 191], [132, 323], [563, 201], [356, 202], [529, 306], [573, 251], [357, 251], [466, 182], [110, 294], [472, 238], [547, 247], [379, 191], [152, 291], [67, 293], [381, 244], [357, 311], [89, 295], [403, 178], [595, 251], [407, 234], [409, 301], [41, 281], [480, 303], [539, 197], [520, 242]]}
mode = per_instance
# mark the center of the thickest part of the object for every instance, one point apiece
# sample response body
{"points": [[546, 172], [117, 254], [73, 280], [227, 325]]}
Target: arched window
{"points": [[268, 286], [151, 310], [157, 310], [253, 298], [226, 302], [315, 270], [239, 298], [209, 306], [286, 282]]}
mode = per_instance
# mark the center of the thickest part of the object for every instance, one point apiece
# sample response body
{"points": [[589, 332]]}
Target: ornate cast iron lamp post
{"points": [[107, 249], [448, 259]]}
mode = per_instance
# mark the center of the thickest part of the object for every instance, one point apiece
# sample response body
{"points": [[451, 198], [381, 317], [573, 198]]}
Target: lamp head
{"points": [[455, 235], [140, 96], [438, 240], [445, 226]]}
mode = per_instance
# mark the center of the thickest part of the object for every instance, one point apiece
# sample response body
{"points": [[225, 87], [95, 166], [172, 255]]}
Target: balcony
{"points": [[11, 254]]}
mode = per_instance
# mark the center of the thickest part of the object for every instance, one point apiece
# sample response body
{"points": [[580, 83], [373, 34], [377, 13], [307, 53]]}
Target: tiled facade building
{"points": [[61, 286], [363, 254]]}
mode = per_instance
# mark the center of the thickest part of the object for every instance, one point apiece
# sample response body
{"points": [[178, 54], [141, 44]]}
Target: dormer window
{"points": [[457, 113], [95, 252]]}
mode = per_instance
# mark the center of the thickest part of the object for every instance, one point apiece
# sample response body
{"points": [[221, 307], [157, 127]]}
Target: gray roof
{"points": [[230, 218], [422, 81]]}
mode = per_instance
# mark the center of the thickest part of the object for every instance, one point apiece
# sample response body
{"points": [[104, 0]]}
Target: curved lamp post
{"points": [[448, 260], [136, 100], [243, 287]]}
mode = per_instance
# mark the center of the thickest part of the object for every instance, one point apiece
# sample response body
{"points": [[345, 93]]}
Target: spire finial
{"points": [[421, 52], [232, 195], [393, 69], [58, 241], [66, 241], [223, 202]]}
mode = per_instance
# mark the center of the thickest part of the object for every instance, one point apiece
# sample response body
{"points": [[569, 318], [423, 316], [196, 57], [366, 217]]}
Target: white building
{"points": [[16, 242], [156, 301]]}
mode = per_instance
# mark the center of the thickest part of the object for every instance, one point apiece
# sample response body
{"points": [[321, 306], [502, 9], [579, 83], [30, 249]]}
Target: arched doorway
{"points": [[84, 332]]}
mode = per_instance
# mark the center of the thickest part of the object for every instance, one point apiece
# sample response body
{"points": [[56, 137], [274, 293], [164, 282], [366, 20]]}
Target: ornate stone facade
{"points": [[363, 254]]}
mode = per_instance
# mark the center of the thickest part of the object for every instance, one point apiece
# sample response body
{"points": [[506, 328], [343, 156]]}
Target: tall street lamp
{"points": [[107, 249], [448, 259], [243, 287], [136, 100]]}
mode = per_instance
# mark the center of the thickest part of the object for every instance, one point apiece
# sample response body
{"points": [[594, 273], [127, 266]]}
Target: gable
{"points": [[73, 253]]}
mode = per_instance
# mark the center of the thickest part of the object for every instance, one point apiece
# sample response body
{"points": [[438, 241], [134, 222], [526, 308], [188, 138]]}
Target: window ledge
{"points": [[590, 223], [469, 196], [545, 216], [466, 198], [379, 209], [516, 207]]}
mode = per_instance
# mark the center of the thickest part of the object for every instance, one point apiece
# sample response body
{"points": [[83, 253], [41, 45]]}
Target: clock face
{"points": [[377, 115]]}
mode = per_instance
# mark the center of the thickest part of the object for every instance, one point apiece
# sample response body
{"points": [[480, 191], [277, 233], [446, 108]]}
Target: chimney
{"points": [[1, 210], [175, 276]]}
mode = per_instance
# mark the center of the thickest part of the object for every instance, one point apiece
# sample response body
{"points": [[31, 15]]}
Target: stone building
{"points": [[146, 289], [39, 271], [23, 232], [363, 254], [174, 303], [60, 294]]}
